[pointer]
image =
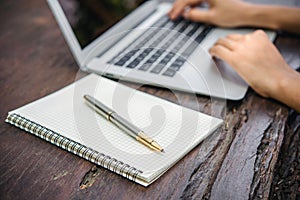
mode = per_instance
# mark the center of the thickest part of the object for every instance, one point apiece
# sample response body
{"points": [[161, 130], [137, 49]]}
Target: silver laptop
{"points": [[139, 43]]}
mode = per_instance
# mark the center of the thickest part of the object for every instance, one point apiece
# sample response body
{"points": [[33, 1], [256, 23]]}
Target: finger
{"points": [[177, 9], [197, 15], [180, 5], [227, 43], [235, 37], [221, 52], [260, 33]]}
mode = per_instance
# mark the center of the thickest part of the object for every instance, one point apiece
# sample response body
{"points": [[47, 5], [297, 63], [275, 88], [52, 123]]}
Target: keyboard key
{"points": [[139, 58], [169, 72], [203, 34], [157, 69], [145, 67], [151, 60], [159, 52], [125, 58], [174, 67], [170, 55], [148, 50], [131, 53], [190, 49], [133, 64], [186, 24], [194, 29], [178, 63], [164, 61], [122, 61], [155, 56], [167, 58]]}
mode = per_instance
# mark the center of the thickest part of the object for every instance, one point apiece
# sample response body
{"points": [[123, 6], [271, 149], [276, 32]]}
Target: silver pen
{"points": [[122, 123]]}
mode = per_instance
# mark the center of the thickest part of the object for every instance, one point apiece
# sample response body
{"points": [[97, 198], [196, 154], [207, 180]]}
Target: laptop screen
{"points": [[90, 18]]}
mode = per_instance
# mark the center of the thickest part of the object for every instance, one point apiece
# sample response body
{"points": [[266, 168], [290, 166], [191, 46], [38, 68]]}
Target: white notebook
{"points": [[64, 119]]}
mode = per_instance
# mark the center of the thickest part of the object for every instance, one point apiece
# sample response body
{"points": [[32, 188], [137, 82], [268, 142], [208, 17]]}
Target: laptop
{"points": [[137, 42]]}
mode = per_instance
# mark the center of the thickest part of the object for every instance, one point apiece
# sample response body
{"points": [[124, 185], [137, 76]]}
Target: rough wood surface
{"points": [[239, 161], [286, 184]]}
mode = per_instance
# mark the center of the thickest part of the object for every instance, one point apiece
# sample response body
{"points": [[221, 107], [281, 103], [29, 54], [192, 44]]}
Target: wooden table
{"points": [[245, 159]]}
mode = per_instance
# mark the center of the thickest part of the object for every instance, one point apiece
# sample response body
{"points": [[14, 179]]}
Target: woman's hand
{"points": [[254, 57], [227, 13]]}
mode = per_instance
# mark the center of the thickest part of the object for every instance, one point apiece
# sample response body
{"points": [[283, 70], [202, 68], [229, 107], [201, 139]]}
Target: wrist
{"points": [[260, 16], [287, 87]]}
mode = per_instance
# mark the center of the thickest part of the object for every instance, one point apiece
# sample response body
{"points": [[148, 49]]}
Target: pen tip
{"points": [[162, 150], [86, 97]]}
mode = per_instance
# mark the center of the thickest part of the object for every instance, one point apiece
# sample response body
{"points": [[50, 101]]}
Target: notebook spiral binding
{"points": [[74, 147]]}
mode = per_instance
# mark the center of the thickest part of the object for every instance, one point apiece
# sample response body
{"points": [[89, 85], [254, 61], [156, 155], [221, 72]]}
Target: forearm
{"points": [[288, 90], [273, 17]]}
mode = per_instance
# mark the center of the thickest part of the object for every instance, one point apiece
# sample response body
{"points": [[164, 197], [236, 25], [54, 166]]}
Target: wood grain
{"points": [[239, 161]]}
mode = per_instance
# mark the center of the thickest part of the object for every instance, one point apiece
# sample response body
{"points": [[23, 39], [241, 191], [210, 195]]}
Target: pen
{"points": [[122, 123]]}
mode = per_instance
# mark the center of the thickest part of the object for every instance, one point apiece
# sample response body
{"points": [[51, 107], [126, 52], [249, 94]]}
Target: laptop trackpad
{"points": [[228, 72]]}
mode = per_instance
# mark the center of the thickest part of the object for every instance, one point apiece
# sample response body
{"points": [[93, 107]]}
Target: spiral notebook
{"points": [[64, 119]]}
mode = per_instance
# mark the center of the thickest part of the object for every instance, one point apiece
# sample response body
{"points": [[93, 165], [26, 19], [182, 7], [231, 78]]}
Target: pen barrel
{"points": [[125, 125], [122, 123], [113, 117]]}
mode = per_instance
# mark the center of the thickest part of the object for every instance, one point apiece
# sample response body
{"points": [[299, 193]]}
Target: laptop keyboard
{"points": [[163, 48]]}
